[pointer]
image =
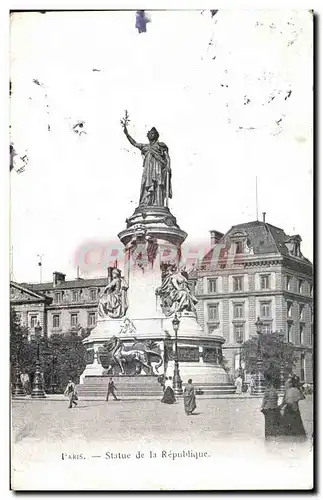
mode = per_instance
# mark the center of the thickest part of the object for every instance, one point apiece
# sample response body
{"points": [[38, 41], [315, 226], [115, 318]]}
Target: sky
{"points": [[230, 95]]}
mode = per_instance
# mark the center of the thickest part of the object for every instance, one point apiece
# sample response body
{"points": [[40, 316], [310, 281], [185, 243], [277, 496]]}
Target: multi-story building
{"points": [[253, 270], [59, 306]]}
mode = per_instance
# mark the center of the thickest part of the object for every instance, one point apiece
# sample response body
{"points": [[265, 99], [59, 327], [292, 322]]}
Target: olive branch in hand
{"points": [[126, 120]]}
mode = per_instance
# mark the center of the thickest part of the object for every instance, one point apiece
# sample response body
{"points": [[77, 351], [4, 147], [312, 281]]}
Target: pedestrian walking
{"points": [[111, 389], [24, 377], [271, 410], [189, 398], [251, 385], [288, 382], [238, 384], [292, 425], [169, 395], [70, 391]]}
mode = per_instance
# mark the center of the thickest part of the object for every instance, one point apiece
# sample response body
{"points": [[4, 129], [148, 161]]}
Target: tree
{"points": [[66, 359], [20, 351], [61, 356], [274, 351]]}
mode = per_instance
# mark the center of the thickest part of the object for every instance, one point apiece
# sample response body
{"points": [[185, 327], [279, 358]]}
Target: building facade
{"points": [[59, 306], [256, 270]]}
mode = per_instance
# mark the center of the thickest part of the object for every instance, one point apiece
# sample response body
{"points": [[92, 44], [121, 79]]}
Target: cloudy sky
{"points": [[230, 95]]}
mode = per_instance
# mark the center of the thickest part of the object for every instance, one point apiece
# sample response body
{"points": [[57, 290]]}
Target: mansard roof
{"points": [[261, 239], [64, 285]]}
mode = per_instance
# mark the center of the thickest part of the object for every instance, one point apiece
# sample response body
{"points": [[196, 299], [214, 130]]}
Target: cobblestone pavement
{"points": [[93, 420], [45, 430]]}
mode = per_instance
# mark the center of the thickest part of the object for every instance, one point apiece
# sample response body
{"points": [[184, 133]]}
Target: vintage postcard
{"points": [[161, 250]]}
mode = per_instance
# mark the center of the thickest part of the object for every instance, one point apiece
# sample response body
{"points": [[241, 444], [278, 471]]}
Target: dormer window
{"points": [[239, 240], [294, 245], [239, 247]]}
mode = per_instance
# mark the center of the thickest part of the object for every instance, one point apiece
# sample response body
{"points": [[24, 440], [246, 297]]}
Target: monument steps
{"points": [[143, 387]]}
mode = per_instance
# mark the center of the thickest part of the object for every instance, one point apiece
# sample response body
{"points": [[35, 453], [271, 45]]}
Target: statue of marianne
{"points": [[156, 185]]}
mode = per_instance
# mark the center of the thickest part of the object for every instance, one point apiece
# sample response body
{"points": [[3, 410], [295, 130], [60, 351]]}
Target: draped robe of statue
{"points": [[156, 185], [176, 294], [154, 177], [113, 301]]}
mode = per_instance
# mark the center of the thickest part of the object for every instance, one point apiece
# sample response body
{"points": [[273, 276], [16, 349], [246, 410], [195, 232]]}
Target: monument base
{"points": [[200, 373], [199, 354]]}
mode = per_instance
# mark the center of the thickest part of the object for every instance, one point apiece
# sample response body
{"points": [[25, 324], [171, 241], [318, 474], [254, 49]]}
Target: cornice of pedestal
{"points": [[155, 222]]}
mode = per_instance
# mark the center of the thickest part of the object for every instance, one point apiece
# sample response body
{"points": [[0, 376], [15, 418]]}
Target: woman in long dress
{"points": [[292, 424], [189, 398], [71, 392], [238, 384], [271, 410], [169, 396]]}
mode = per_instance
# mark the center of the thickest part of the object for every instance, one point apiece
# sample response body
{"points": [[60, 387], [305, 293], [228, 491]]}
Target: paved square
{"points": [[97, 420], [47, 433]]}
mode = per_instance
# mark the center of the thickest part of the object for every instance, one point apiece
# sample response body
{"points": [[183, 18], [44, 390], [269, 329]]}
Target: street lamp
{"points": [[18, 388], [177, 382], [260, 381], [38, 386]]}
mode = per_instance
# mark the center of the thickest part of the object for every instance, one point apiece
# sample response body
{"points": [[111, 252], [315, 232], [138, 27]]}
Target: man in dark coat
{"points": [[111, 388]]}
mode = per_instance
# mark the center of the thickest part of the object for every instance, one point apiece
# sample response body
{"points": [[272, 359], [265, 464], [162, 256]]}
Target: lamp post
{"points": [[260, 381], [38, 385], [18, 388], [177, 382]]}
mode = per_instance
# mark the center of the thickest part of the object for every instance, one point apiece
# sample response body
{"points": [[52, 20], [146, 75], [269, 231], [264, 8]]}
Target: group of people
{"points": [[71, 392], [189, 395], [280, 419], [239, 385], [283, 420], [168, 396]]}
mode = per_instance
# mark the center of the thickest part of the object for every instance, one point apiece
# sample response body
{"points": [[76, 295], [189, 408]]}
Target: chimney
{"points": [[58, 278], [263, 216], [215, 237]]}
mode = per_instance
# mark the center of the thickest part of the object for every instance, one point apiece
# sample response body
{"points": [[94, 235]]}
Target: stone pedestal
{"points": [[152, 241]]}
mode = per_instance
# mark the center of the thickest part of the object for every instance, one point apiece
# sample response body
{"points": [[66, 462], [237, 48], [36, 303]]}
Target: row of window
{"points": [[265, 284], [300, 285], [91, 320], [239, 332], [290, 333], [301, 310], [238, 311], [76, 295], [238, 283]]}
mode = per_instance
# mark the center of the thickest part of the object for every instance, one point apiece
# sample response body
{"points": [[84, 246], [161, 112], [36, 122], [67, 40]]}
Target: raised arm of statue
{"points": [[131, 140]]}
